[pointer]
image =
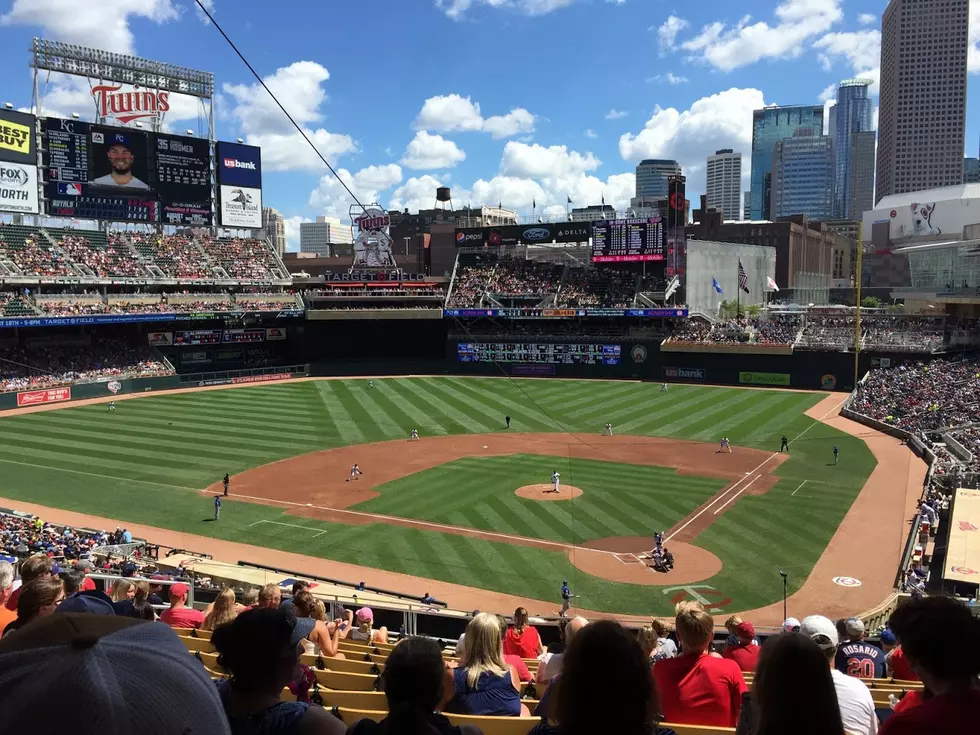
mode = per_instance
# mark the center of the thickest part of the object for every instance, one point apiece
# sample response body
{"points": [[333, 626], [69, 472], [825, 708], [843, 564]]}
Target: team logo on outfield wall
{"points": [[828, 381], [114, 386], [638, 353]]}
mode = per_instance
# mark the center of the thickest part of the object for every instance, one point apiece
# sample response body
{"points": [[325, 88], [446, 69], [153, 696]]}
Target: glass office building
{"points": [[803, 176], [651, 177], [852, 115], [769, 126]]}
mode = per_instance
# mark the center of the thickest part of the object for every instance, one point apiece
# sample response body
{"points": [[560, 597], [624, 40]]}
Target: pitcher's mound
{"points": [[545, 492]]}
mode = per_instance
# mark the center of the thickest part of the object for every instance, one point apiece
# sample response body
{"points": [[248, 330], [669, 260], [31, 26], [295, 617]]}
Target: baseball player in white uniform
{"points": [[555, 482], [355, 473], [608, 430], [663, 388], [415, 435]]}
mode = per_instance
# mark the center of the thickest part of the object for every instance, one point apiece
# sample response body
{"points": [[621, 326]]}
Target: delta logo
{"points": [[235, 163]]}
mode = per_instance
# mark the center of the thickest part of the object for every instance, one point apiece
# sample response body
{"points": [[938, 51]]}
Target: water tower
{"points": [[444, 199]]}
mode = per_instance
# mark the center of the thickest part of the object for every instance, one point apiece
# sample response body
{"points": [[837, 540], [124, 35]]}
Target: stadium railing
{"points": [[246, 375]]}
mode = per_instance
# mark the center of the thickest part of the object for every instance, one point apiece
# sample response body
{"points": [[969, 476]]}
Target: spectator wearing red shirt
{"points": [[33, 567], [523, 639], [896, 664], [697, 688], [512, 659], [180, 615], [941, 640], [746, 652]]}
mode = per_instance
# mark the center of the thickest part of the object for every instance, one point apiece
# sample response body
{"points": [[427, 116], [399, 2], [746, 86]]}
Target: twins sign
{"points": [[372, 243]]}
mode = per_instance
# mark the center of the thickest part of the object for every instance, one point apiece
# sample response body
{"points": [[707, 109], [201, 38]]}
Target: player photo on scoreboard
{"points": [[119, 159]]}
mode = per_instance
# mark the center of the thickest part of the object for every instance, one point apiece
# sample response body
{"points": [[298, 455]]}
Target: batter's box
{"points": [[628, 558]]}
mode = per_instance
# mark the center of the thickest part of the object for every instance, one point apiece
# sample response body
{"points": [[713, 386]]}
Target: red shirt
{"points": [[182, 617], [12, 601], [87, 584], [518, 663], [745, 656], [901, 669], [911, 699], [943, 715], [700, 690], [525, 644]]}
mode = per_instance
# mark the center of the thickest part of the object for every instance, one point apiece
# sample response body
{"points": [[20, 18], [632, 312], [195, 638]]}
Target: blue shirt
{"points": [[860, 659], [493, 696], [565, 592], [217, 502]]}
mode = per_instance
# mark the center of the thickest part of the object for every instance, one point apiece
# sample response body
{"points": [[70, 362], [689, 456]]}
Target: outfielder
{"points": [[415, 435], [566, 596], [112, 405], [663, 388], [355, 472], [608, 430], [836, 453], [555, 482], [370, 384]]}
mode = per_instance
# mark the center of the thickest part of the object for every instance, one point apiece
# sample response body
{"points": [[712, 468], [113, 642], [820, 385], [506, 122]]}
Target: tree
{"points": [[870, 302]]}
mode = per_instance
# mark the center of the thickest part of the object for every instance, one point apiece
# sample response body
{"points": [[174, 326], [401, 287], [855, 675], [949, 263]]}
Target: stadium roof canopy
{"points": [[942, 194]]}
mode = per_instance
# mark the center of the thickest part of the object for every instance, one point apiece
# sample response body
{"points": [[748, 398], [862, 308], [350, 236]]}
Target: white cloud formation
{"points": [[722, 120], [292, 231], [590, 133], [430, 151], [455, 9], [867, 19], [667, 32], [209, 5], [668, 78], [973, 51], [104, 25], [331, 198], [615, 114], [730, 47], [455, 113], [860, 49], [299, 88], [418, 192], [536, 161]]}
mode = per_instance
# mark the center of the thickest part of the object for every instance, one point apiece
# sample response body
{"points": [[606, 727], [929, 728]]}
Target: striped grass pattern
{"points": [[144, 462]]}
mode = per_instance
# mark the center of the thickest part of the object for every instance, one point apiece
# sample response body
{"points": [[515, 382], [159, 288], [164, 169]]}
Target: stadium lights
{"points": [[74, 116], [239, 140], [190, 132], [139, 124], [9, 105]]}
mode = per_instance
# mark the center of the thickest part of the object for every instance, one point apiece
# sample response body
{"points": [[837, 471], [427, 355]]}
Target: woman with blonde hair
{"points": [[223, 610], [121, 590], [484, 684], [325, 636], [654, 641], [365, 630], [522, 640]]}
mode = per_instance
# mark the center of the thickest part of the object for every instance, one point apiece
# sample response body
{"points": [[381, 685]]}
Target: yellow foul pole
{"points": [[857, 321]]}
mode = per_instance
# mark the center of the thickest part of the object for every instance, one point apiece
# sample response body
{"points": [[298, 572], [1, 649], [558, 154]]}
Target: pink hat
{"points": [[364, 614]]}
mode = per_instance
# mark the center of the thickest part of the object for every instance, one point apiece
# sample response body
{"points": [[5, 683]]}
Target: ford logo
{"points": [[536, 233]]}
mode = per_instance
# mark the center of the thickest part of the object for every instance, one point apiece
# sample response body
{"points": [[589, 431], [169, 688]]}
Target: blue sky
{"points": [[503, 100]]}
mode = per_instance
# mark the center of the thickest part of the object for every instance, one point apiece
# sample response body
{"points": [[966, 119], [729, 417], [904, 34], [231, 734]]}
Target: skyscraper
{"points": [[723, 183], [317, 237], [770, 125], [803, 176], [861, 175], [971, 170], [651, 176], [922, 102], [851, 116], [747, 205], [275, 228]]}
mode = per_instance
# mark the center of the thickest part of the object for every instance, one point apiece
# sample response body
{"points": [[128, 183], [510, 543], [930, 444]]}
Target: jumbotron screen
{"points": [[100, 172], [539, 352], [628, 240]]}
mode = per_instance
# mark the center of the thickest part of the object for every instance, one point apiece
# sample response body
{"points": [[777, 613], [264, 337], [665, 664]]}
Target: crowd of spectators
{"points": [[32, 366], [597, 287], [969, 438], [115, 259], [903, 334], [243, 258], [827, 332], [504, 278], [36, 256], [777, 329]]}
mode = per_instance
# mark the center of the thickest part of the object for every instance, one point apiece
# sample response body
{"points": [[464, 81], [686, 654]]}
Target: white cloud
{"points": [[455, 113], [536, 161], [867, 19], [973, 52], [430, 151], [292, 232], [615, 114], [722, 120], [299, 88], [667, 32], [209, 5], [730, 47], [331, 198], [104, 25], [668, 78], [418, 192], [455, 9], [590, 133], [829, 93]]}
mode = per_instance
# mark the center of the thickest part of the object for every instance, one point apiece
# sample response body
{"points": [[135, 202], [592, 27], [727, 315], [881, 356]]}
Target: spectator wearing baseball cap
{"points": [[695, 687], [857, 657], [85, 566], [116, 676], [33, 567], [365, 628], [93, 602], [896, 665], [261, 648], [746, 652], [791, 625], [857, 709], [179, 615], [941, 639]]}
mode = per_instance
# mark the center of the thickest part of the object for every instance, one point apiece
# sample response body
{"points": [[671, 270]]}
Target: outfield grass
{"points": [[144, 462]]}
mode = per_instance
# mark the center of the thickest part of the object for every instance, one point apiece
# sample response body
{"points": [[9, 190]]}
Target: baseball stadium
{"points": [[546, 415]]}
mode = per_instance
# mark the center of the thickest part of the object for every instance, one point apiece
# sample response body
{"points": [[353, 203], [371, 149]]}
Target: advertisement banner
{"points": [[239, 165], [684, 373], [751, 378], [526, 234], [37, 397], [244, 335], [160, 339], [275, 334], [17, 137], [241, 207], [18, 188], [261, 378]]}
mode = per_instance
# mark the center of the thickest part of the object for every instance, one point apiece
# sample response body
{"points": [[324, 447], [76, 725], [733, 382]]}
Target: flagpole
{"points": [[738, 294]]}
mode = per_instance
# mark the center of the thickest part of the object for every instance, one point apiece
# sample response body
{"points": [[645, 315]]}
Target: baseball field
{"points": [[466, 503]]}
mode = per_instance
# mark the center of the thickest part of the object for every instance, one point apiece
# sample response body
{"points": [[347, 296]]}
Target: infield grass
{"points": [[144, 463]]}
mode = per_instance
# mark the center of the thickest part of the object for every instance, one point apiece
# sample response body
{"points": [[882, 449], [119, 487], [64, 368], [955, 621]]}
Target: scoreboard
{"points": [[100, 172], [628, 240], [540, 352]]}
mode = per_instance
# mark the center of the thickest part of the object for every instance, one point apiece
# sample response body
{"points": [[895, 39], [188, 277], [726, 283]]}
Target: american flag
{"points": [[743, 279]]}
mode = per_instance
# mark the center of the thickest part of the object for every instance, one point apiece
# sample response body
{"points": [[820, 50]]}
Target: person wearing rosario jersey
{"points": [[857, 657]]}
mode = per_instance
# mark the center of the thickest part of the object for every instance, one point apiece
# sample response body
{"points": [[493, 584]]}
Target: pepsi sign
{"points": [[239, 165]]}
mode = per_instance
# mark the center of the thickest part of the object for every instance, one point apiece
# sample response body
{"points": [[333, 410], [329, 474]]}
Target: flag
{"points": [[743, 279], [603, 200], [771, 283], [717, 286], [534, 205], [568, 198]]}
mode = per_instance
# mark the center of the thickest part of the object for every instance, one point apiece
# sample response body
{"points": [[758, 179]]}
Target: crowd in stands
{"points": [[241, 258], [970, 439], [85, 303], [900, 333], [115, 260], [29, 367], [36, 256], [823, 332]]}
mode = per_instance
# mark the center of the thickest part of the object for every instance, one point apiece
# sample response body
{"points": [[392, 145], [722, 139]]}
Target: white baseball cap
{"points": [[791, 624], [818, 625]]}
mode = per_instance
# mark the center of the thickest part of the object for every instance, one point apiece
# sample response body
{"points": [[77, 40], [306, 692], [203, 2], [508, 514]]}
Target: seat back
{"points": [[497, 725], [349, 715], [345, 681]]}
